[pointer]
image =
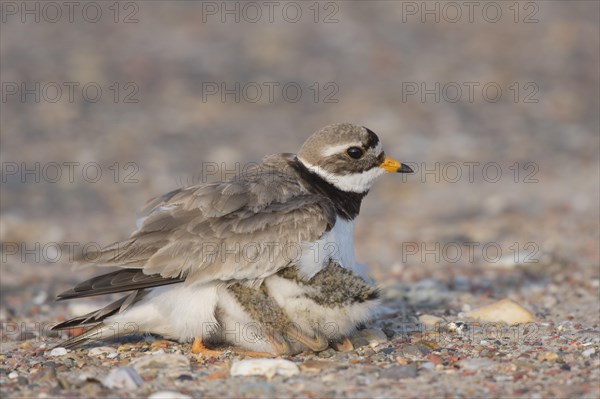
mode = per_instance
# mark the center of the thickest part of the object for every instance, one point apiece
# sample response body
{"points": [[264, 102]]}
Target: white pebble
{"points": [[40, 298], [102, 350], [427, 366], [168, 395], [86, 376], [504, 311], [430, 321], [13, 375], [588, 352], [122, 378], [264, 367], [58, 352], [458, 327], [164, 361], [374, 336]]}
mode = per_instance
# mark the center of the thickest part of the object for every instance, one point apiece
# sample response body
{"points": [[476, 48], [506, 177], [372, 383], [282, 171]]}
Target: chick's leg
{"points": [[278, 345], [342, 345], [318, 343]]}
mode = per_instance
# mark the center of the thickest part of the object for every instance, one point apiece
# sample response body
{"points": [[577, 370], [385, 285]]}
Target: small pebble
{"points": [[414, 352], [318, 365], [326, 354], [40, 298], [429, 366], [459, 327], [474, 364], [168, 395], [548, 356], [435, 359], [102, 350], [90, 390], [174, 365], [217, 375], [588, 352], [122, 378], [257, 389], [504, 311], [58, 352], [387, 351], [401, 360], [398, 372], [359, 342], [264, 367], [430, 321], [373, 336], [47, 375]]}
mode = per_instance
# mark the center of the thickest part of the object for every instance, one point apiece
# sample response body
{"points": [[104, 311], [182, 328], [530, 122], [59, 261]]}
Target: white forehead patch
{"points": [[336, 149], [378, 148]]}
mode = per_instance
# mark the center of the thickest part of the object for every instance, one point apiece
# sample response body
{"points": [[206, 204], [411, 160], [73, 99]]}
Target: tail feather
{"points": [[98, 328], [88, 336]]}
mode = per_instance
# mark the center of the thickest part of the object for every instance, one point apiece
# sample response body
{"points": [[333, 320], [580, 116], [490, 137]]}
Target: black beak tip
{"points": [[404, 168]]}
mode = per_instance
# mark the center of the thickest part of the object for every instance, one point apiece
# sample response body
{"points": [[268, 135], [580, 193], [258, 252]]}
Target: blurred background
{"points": [[109, 104]]}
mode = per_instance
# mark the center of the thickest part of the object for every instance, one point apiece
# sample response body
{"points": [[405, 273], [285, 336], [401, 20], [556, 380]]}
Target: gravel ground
{"points": [[440, 244]]}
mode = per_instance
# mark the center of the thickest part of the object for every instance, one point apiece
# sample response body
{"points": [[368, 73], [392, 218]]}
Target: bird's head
{"points": [[348, 156]]}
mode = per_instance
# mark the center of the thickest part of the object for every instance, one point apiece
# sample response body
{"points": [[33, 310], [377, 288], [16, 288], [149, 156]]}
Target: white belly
{"points": [[174, 311], [337, 245]]}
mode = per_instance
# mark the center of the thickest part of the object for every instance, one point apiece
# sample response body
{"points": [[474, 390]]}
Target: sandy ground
{"points": [[504, 202]]}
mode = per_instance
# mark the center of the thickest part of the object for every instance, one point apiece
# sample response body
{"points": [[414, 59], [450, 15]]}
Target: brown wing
{"points": [[234, 230]]}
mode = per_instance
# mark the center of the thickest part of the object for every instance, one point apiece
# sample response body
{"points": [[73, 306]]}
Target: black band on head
{"points": [[372, 139]]}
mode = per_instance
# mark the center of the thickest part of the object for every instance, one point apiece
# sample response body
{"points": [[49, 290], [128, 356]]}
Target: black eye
{"points": [[355, 152]]}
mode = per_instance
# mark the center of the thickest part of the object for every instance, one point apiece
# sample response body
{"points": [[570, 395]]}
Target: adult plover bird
{"points": [[195, 246]]}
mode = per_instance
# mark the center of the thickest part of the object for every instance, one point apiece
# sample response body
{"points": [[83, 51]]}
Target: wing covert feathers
{"points": [[233, 230]]}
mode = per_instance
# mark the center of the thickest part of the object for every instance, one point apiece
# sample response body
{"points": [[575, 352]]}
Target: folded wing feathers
{"points": [[117, 281], [171, 242]]}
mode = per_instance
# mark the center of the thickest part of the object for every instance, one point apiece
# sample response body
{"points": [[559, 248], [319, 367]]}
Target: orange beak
{"points": [[394, 166]]}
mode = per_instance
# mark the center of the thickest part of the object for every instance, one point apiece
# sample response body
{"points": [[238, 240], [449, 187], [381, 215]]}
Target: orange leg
{"points": [[198, 348]]}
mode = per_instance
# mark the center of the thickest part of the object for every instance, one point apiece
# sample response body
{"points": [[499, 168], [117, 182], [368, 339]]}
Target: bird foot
{"points": [[198, 348], [343, 345], [318, 343]]}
